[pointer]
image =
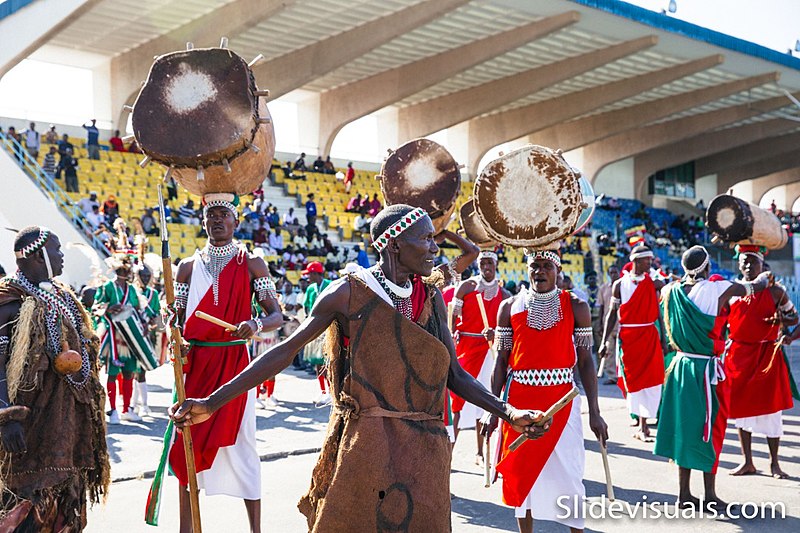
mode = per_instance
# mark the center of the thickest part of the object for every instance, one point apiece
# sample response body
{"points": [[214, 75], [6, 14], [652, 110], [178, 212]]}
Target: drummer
{"points": [[112, 298], [151, 313]]}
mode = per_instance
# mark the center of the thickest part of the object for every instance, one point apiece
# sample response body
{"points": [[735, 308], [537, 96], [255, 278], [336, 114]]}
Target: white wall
{"points": [[25, 205], [616, 179], [705, 188]]}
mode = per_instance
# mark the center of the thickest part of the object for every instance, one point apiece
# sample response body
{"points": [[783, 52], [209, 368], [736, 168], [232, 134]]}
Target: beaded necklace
{"points": [[544, 309], [488, 288], [58, 304], [215, 259], [400, 296]]}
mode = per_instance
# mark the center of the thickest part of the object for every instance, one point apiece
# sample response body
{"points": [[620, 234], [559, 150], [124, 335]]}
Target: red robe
{"points": [[642, 357], [472, 351], [534, 349], [756, 377], [210, 367]]}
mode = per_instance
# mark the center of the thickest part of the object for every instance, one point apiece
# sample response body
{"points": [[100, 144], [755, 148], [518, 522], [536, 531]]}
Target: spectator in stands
{"points": [[349, 176], [361, 222], [276, 240], [111, 209], [328, 167], [260, 236], [172, 189], [49, 163], [289, 218], [246, 228], [293, 259], [375, 206], [149, 224], [354, 205], [133, 147], [319, 164], [64, 145], [300, 163], [311, 211], [95, 217], [300, 241], [772, 206], [51, 137], [87, 204], [315, 245], [188, 213], [14, 136], [116, 142], [92, 139], [32, 140], [290, 174], [361, 257], [69, 166], [273, 218]]}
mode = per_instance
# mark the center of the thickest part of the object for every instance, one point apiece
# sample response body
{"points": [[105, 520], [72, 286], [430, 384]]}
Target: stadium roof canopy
{"points": [[610, 79]]}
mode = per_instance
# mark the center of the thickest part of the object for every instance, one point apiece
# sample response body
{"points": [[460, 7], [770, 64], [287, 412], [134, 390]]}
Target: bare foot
{"points": [[777, 473], [715, 504], [688, 502], [642, 436], [744, 469]]}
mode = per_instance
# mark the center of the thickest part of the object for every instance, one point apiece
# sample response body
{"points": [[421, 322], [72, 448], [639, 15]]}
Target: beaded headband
{"points": [[695, 271], [640, 255], [398, 227], [486, 254], [549, 255], [220, 199], [35, 246]]}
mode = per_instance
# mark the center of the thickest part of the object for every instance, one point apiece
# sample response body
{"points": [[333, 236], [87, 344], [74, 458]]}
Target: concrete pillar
{"points": [[129, 70], [633, 142], [438, 113], [351, 101], [32, 26], [495, 129], [792, 196], [308, 124]]}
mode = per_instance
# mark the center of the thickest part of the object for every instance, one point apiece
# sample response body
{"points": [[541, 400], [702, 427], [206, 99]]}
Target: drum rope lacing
{"points": [[544, 309], [58, 304], [400, 296], [215, 259]]}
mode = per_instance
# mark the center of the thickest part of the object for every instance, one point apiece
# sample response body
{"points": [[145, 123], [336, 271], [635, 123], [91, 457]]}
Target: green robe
{"points": [[684, 427]]}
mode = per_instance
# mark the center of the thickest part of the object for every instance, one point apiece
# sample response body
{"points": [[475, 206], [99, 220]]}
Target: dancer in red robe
{"points": [[473, 338]]}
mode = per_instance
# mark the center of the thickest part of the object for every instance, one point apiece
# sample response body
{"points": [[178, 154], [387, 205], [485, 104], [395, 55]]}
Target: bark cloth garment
{"points": [[472, 348], [757, 377], [642, 360], [385, 463], [691, 425], [551, 465], [46, 488]]}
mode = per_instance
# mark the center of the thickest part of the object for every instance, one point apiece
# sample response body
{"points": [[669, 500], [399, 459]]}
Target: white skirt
{"points": [[562, 475], [770, 426], [236, 470], [644, 403], [471, 413]]}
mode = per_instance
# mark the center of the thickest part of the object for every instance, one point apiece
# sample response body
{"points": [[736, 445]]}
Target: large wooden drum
{"points": [[530, 197], [738, 222], [472, 226], [199, 112], [421, 173]]}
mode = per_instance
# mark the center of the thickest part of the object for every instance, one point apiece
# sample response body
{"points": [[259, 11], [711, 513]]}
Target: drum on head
{"points": [[530, 197], [738, 222], [199, 112], [472, 226], [421, 173], [129, 326]]}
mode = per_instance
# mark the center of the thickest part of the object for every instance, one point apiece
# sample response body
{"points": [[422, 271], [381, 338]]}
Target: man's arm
{"points": [[741, 289], [583, 319], [274, 319], [12, 435], [469, 253], [610, 320], [464, 288]]}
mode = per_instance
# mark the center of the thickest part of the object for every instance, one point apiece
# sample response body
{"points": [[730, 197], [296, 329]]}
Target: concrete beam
{"points": [[489, 131], [34, 25], [130, 69], [294, 69], [349, 102], [439, 113], [775, 165], [577, 133], [633, 142], [719, 150]]}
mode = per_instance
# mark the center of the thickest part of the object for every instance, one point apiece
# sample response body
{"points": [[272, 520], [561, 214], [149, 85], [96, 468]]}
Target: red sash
{"points": [[642, 358], [756, 377], [533, 349], [210, 367]]}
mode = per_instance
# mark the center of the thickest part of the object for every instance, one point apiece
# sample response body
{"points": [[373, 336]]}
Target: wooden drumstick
{"points": [[601, 368], [556, 407], [215, 320], [482, 308], [609, 484], [487, 462]]}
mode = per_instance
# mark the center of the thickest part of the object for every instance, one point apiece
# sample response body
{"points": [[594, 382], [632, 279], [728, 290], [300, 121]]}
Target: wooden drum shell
{"points": [[736, 221]]}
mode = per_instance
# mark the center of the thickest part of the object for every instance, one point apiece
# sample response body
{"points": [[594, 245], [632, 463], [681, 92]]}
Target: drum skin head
{"points": [[529, 197], [422, 173]]}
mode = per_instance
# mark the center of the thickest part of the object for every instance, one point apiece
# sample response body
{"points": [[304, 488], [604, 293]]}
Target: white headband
{"points": [[695, 271], [486, 254], [641, 255]]}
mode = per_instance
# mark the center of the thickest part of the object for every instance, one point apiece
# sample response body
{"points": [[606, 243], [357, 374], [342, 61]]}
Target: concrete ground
{"points": [[289, 436]]}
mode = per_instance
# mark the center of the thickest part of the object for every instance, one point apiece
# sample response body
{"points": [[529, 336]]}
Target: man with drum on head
{"points": [[473, 338], [541, 335], [51, 401], [221, 280], [757, 381], [693, 437], [634, 299], [385, 464]]}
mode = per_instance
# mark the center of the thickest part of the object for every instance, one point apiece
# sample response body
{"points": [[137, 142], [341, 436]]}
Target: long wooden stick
{"points": [[487, 462], [609, 484], [556, 407], [215, 320], [482, 308], [177, 365]]}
